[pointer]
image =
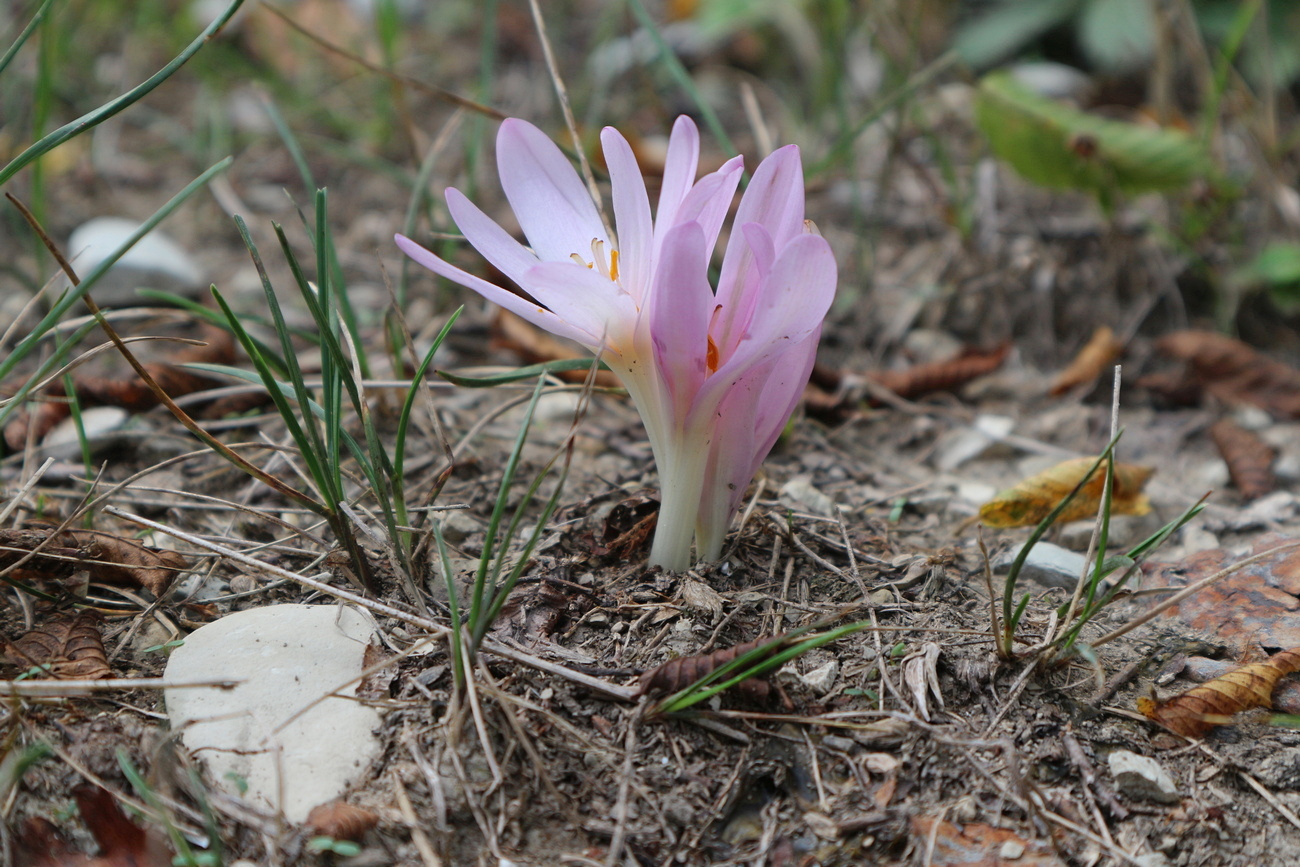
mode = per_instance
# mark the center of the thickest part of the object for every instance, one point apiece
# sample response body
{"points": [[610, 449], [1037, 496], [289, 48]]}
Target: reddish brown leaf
{"points": [[1216, 702], [630, 525], [127, 563], [122, 843], [942, 375], [108, 558], [341, 821], [71, 646], [1256, 604], [978, 845], [677, 674], [1093, 359], [1235, 372], [1249, 458], [128, 391]]}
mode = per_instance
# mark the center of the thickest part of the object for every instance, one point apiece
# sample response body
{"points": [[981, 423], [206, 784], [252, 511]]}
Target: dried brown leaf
{"points": [[1034, 498], [72, 647], [630, 525], [128, 391], [1216, 702], [122, 843], [1235, 372], [1249, 458], [677, 674], [947, 375], [341, 821], [125, 562], [1098, 353]]}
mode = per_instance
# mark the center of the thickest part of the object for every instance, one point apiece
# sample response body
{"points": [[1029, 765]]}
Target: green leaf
{"points": [[509, 376], [1006, 29], [1060, 147], [1117, 35], [1276, 268]]}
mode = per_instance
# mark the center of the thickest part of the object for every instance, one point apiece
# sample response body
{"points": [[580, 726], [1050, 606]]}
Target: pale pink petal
{"points": [[709, 200], [733, 321], [539, 316], [679, 174], [792, 302], [585, 300], [750, 419], [679, 309], [774, 200], [551, 203], [505, 253], [631, 214]]}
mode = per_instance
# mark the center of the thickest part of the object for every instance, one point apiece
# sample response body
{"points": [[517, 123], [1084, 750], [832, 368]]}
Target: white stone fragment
{"points": [[103, 426], [1047, 564], [155, 262], [800, 493], [273, 732], [1142, 778]]}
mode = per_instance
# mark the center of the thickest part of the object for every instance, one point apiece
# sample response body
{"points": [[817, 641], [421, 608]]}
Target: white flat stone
{"points": [[1142, 778], [262, 733], [155, 262]]}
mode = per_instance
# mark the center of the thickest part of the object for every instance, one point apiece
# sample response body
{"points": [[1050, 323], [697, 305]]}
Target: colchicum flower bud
{"points": [[714, 374]]}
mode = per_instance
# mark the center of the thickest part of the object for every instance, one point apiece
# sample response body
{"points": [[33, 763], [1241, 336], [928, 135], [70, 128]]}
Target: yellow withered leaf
{"points": [[1030, 501]]}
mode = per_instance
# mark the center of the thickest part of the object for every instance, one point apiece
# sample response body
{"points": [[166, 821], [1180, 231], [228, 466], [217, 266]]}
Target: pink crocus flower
{"points": [[714, 374]]}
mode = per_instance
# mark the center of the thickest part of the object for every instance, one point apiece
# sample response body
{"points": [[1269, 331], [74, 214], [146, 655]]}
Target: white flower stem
{"points": [[681, 480]]}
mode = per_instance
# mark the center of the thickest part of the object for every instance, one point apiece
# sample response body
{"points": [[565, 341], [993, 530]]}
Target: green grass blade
{"points": [[755, 663], [1019, 563], [303, 439], [291, 143], [682, 76], [530, 372], [49, 142], [22, 38], [404, 418], [483, 592], [453, 605], [312, 446], [212, 317], [72, 296]]}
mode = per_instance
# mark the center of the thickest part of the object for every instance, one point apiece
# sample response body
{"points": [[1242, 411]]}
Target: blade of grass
{"points": [[673, 64], [755, 663], [70, 130], [79, 289], [404, 418], [26, 34], [517, 374], [482, 592]]}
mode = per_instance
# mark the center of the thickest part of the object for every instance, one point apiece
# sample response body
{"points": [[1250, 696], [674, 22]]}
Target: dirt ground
{"points": [[910, 742]]}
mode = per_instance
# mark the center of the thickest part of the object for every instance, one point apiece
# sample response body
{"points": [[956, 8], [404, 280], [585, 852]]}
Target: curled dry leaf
{"points": [[677, 674], [1235, 372], [947, 375], [341, 821], [1098, 353], [630, 525], [71, 647], [1214, 703], [122, 843], [1034, 498], [1249, 458], [127, 391], [108, 558], [832, 394]]}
